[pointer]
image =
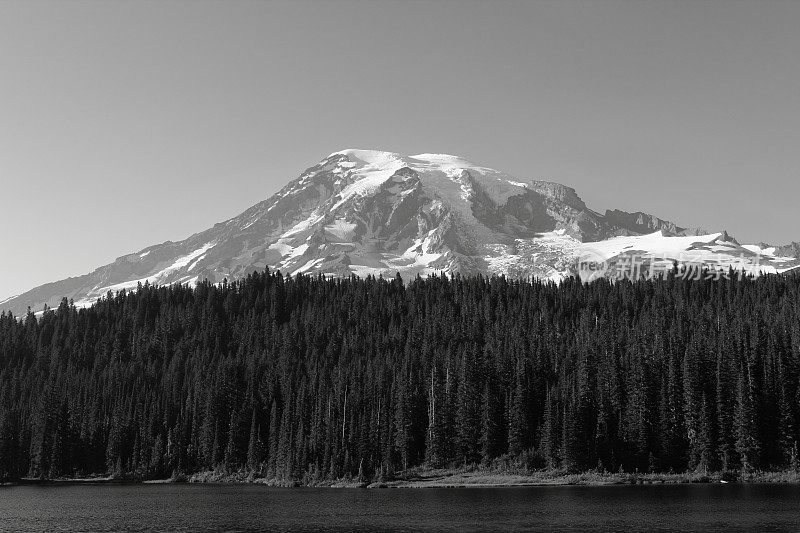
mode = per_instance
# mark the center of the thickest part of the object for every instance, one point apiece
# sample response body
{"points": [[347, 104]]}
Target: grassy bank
{"points": [[475, 476], [468, 476]]}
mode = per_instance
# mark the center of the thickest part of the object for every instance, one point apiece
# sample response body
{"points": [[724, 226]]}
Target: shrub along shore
{"points": [[476, 476], [467, 476]]}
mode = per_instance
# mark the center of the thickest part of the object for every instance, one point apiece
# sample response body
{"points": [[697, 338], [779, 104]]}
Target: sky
{"points": [[126, 124]]}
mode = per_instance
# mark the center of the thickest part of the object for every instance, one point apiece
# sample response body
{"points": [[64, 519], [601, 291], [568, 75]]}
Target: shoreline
{"points": [[447, 478]]}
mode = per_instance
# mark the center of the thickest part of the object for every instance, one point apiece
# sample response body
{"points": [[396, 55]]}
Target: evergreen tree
{"points": [[312, 378]]}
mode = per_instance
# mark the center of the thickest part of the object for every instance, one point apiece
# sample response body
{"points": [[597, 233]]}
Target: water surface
{"points": [[196, 507]]}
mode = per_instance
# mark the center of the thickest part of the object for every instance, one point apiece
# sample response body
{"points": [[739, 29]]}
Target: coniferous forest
{"points": [[306, 378]]}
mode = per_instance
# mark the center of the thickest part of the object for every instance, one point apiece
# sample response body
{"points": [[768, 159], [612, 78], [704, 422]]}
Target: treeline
{"points": [[307, 378]]}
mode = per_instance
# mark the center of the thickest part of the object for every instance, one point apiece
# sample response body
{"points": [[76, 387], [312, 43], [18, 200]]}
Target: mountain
{"points": [[370, 212]]}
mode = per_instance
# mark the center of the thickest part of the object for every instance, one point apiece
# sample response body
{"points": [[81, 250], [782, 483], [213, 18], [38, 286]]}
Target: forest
{"points": [[307, 378]]}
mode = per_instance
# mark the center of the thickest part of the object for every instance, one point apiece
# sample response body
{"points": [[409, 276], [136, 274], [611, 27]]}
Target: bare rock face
{"points": [[788, 250], [368, 212], [639, 223]]}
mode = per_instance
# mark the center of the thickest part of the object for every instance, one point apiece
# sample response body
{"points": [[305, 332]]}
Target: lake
{"points": [[197, 507]]}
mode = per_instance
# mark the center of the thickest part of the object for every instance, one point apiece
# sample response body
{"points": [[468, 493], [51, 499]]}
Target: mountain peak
{"points": [[371, 212], [367, 156]]}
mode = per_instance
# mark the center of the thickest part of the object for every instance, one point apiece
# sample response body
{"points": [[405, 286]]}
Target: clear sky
{"points": [[125, 124]]}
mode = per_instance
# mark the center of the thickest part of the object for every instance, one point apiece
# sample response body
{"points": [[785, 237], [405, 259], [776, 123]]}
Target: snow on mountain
{"points": [[657, 253], [368, 212], [182, 264], [7, 300], [655, 243]]}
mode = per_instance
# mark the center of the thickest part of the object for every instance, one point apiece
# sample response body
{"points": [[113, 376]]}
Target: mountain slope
{"points": [[370, 212]]}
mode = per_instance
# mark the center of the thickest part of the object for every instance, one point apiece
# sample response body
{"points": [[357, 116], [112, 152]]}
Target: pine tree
{"points": [[550, 439], [491, 423], [309, 379], [747, 442], [518, 432], [255, 445], [468, 411]]}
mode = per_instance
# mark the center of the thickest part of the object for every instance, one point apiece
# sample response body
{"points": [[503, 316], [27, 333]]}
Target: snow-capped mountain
{"points": [[370, 212]]}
